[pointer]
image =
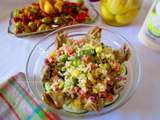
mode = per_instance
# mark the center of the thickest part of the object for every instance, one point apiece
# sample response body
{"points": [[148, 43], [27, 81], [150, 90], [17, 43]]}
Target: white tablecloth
{"points": [[144, 105]]}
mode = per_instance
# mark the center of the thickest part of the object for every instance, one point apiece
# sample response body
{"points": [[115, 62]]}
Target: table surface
{"points": [[144, 105]]}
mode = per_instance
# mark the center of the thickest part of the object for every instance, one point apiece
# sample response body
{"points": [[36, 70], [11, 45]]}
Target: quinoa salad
{"points": [[84, 74]]}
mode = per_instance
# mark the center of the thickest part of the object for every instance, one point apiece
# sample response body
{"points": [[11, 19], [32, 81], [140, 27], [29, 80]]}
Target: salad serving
{"points": [[48, 15], [84, 74]]}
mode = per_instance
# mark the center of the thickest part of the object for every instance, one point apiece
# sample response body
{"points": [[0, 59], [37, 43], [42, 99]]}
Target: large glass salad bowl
{"points": [[40, 51]]}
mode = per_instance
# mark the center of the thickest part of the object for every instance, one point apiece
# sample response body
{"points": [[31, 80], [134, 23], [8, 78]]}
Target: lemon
{"points": [[46, 6], [127, 17], [106, 15], [132, 4], [116, 6]]}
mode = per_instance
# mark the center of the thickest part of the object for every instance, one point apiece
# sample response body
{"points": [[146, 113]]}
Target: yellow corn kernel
{"points": [[99, 49], [90, 77], [75, 73], [77, 104], [94, 90]]}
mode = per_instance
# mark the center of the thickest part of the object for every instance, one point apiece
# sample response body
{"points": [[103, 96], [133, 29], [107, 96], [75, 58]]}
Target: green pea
{"points": [[80, 53], [58, 20], [60, 84], [43, 27], [64, 57], [26, 30], [76, 63], [47, 20], [34, 10], [88, 20], [19, 25], [92, 52], [32, 25], [47, 86]]}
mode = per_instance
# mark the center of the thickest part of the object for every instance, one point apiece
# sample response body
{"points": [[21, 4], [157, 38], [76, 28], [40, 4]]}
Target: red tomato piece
{"points": [[59, 52], [51, 60], [82, 16], [93, 66], [81, 42], [103, 94], [69, 50], [46, 62], [116, 66], [121, 78], [77, 89], [93, 99], [86, 59], [54, 88], [109, 98], [82, 94], [56, 77]]}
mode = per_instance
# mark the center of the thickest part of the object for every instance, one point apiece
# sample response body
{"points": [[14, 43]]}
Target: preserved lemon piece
{"points": [[119, 12], [107, 16], [126, 18], [116, 6]]}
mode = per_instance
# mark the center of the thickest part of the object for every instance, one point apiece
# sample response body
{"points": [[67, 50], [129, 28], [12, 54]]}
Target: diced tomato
{"points": [[109, 98], [86, 59], [46, 62], [82, 94], [93, 66], [24, 19], [76, 89], [56, 71], [69, 50], [81, 42], [70, 3], [56, 77], [82, 16], [59, 52], [103, 94], [109, 80], [93, 99], [67, 10], [121, 78], [51, 60], [54, 87], [116, 66], [37, 22]]}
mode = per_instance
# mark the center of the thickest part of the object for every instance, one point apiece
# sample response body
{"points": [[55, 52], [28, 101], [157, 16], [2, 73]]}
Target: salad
{"points": [[48, 15], [84, 74]]}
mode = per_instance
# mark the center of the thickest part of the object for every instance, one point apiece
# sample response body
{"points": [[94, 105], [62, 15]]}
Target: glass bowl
{"points": [[40, 51]]}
